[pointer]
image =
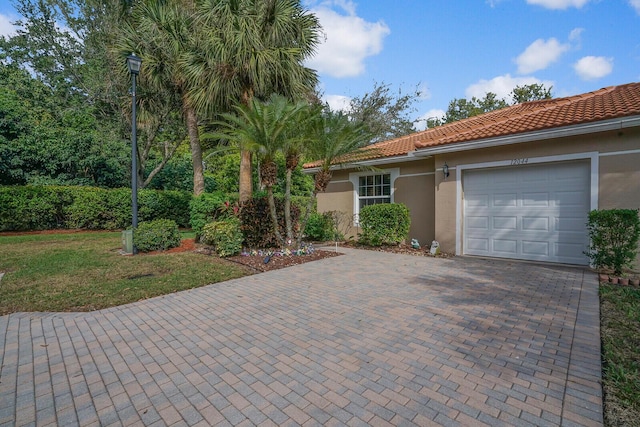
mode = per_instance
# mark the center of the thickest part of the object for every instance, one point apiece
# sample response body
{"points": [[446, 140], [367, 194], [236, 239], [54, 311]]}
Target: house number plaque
{"points": [[517, 162]]}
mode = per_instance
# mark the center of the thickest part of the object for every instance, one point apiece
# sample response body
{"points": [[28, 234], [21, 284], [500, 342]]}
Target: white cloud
{"points": [[576, 34], [593, 67], [349, 40], [559, 4], [502, 86], [636, 5], [6, 27], [337, 102], [421, 123], [539, 55]]}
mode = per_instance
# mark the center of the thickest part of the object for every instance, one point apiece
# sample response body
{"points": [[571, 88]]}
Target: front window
{"points": [[374, 189]]}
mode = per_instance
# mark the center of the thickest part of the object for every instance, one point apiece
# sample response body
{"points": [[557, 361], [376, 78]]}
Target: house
{"points": [[513, 183]]}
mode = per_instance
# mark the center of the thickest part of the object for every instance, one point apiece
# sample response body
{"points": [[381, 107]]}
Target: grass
{"points": [[620, 334], [85, 271]]}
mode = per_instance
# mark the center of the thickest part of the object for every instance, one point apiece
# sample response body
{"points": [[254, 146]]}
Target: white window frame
{"points": [[354, 178]]}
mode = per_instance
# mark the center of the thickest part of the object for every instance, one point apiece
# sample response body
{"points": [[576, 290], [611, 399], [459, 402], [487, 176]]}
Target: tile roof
{"points": [[608, 103]]}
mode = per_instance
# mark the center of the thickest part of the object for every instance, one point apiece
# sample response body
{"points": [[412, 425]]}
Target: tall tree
{"points": [[385, 115], [257, 47], [332, 139], [165, 34]]}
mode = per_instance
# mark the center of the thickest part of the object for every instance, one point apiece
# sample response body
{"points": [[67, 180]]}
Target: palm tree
{"points": [[263, 128], [165, 34], [255, 48], [334, 140]]}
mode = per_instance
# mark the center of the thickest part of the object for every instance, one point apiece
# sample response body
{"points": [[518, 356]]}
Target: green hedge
{"points": [[25, 208], [384, 224]]}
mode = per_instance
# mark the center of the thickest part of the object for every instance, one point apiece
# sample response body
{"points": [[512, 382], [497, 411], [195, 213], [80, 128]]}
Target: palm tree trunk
{"points": [[287, 207], [196, 149], [246, 187], [274, 216]]}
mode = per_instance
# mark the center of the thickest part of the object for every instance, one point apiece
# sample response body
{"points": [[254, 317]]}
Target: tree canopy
{"points": [[464, 108]]}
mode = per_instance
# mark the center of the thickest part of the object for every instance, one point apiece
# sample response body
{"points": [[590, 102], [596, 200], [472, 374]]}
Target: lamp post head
{"points": [[134, 63]]}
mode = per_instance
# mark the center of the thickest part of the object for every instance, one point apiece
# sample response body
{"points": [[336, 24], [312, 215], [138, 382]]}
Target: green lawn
{"points": [[85, 271], [620, 332]]}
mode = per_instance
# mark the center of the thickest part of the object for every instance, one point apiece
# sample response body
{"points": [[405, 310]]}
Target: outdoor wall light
{"points": [[445, 170]]}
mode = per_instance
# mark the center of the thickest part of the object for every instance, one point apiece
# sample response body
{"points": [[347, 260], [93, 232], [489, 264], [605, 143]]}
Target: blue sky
{"points": [[464, 48]]}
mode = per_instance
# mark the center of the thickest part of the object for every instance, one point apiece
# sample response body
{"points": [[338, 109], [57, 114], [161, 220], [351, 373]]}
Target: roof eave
{"points": [[565, 131], [409, 157]]}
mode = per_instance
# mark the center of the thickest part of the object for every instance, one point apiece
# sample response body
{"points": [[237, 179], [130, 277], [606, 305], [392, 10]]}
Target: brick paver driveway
{"points": [[367, 338]]}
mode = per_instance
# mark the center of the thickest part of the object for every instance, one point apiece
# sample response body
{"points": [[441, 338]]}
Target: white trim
{"points": [[582, 129], [620, 153], [341, 181], [591, 155], [354, 177], [416, 174]]}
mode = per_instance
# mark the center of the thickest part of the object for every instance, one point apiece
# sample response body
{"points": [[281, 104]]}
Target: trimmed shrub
{"points": [[157, 235], [225, 236], [614, 235], [257, 226], [384, 224], [320, 227]]}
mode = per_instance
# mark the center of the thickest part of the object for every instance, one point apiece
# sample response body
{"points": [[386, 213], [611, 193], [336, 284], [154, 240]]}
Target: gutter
{"points": [[575, 130]]}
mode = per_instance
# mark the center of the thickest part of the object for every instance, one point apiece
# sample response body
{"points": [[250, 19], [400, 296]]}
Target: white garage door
{"points": [[532, 212]]}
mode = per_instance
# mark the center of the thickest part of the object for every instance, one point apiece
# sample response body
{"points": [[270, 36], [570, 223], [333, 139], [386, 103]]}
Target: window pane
{"points": [[363, 181], [387, 191], [387, 179]]}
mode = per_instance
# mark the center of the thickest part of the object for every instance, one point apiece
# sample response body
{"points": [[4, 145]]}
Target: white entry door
{"points": [[531, 212]]}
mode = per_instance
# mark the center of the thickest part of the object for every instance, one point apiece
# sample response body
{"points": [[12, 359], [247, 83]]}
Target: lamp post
{"points": [[134, 63]]}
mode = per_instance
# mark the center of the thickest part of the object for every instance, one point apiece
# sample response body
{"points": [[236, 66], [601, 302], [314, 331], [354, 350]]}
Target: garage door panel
{"points": [[535, 212], [478, 200], [505, 199], [505, 247], [535, 199], [505, 223], [478, 223], [479, 245], [536, 248], [535, 223], [569, 198]]}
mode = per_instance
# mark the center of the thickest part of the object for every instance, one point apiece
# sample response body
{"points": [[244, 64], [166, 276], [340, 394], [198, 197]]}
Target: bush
{"points": [[320, 227], [157, 235], [225, 236], [614, 235], [384, 224], [204, 209], [257, 226]]}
